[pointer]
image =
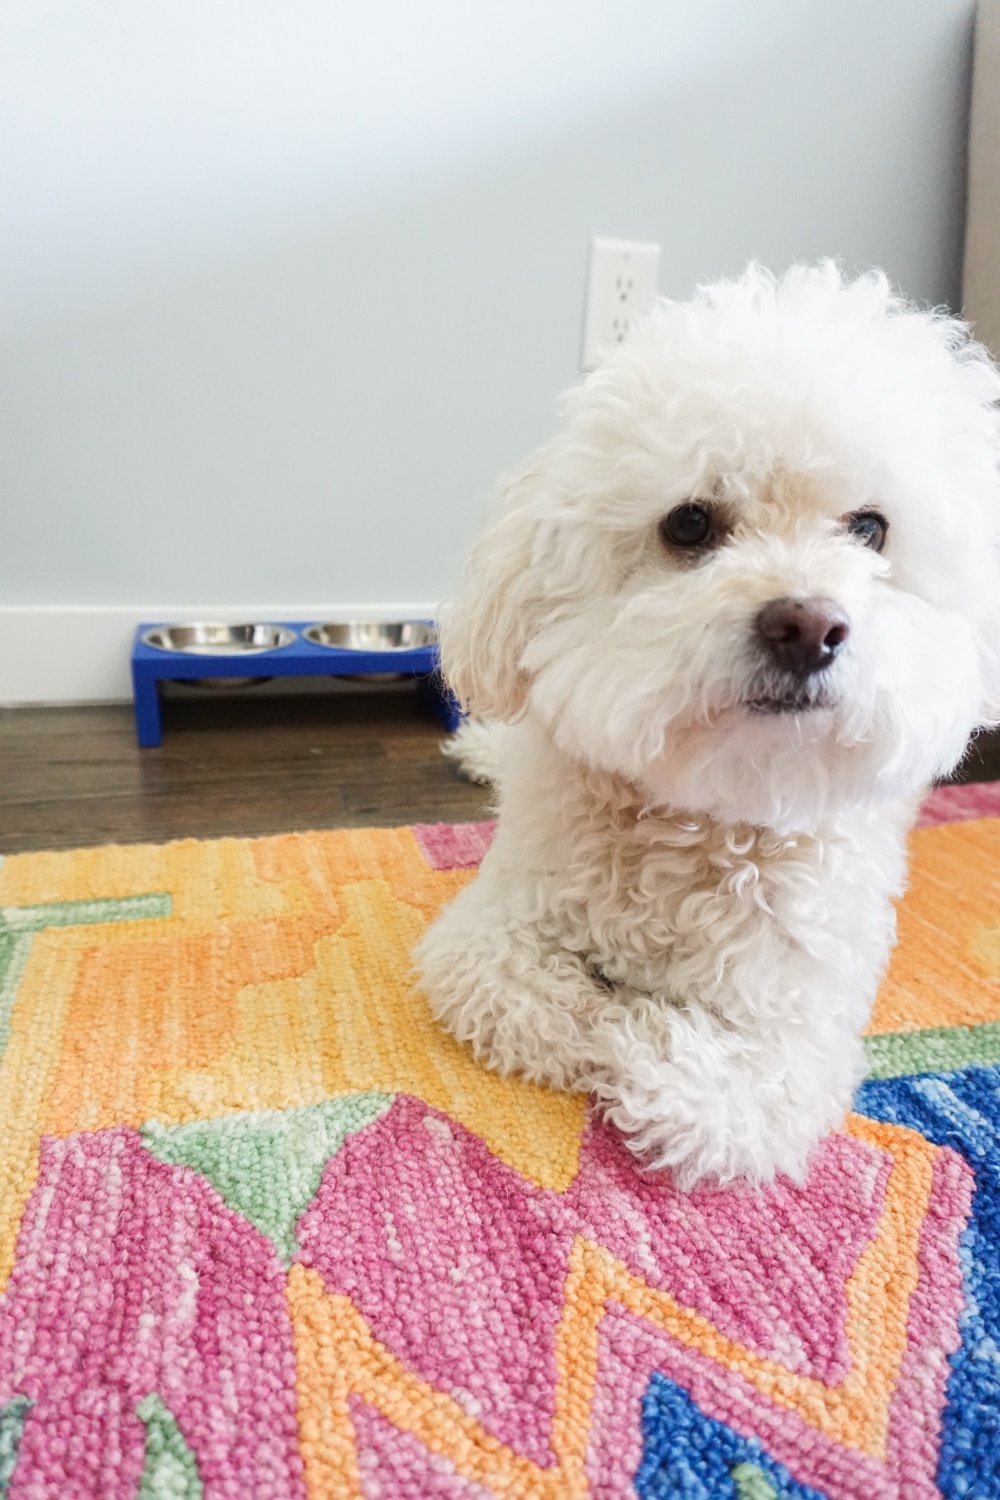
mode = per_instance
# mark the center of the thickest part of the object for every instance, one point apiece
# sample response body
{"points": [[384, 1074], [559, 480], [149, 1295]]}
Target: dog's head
{"points": [[756, 572]]}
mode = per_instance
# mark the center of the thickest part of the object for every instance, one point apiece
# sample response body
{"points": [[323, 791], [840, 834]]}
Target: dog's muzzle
{"points": [[798, 640]]}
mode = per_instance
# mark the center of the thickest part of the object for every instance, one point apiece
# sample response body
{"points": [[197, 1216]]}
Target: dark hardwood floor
{"points": [[243, 765], [982, 759]]}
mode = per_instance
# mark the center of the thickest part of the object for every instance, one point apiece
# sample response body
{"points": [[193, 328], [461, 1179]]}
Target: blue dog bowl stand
{"points": [[301, 658]]}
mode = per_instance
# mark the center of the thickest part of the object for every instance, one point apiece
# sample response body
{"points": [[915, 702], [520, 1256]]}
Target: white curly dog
{"points": [[729, 625]]}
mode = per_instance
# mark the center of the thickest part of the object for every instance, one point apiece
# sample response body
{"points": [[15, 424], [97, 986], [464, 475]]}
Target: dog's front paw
{"points": [[714, 1144], [712, 1104]]}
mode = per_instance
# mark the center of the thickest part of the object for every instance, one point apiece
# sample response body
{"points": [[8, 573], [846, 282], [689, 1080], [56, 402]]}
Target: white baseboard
{"points": [[53, 653]]}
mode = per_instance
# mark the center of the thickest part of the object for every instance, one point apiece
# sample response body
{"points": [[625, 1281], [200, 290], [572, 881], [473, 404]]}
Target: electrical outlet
{"points": [[623, 278]]}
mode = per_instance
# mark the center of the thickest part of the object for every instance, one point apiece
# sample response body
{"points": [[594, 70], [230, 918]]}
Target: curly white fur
{"points": [[474, 749], [688, 905]]}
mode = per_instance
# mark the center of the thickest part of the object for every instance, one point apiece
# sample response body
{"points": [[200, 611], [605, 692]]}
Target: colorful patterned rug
{"points": [[266, 1232]]}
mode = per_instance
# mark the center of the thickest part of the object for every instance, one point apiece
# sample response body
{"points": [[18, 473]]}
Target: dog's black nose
{"points": [[803, 635]]}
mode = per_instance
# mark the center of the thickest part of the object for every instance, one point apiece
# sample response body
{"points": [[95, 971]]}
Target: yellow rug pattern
{"points": [[265, 1229]]}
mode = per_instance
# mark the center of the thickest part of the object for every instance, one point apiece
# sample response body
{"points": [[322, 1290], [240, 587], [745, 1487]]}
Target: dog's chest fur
{"points": [[677, 905]]}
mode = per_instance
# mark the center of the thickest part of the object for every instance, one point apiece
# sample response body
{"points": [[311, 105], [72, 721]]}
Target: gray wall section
{"points": [[981, 287], [320, 411]]}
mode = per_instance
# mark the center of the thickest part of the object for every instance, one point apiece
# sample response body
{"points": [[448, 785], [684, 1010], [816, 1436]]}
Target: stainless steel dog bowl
{"points": [[373, 635], [213, 639]]}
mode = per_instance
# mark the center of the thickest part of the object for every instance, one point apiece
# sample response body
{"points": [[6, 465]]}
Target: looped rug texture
{"points": [[265, 1231]]}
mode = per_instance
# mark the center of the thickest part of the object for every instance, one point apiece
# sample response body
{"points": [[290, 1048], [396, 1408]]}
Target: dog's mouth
{"points": [[798, 703], [789, 698]]}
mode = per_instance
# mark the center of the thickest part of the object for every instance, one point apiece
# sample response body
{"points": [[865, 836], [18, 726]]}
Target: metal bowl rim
{"points": [[285, 637], [311, 634]]}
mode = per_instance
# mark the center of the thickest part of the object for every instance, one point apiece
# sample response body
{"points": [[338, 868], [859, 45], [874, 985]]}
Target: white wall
{"points": [[285, 285]]}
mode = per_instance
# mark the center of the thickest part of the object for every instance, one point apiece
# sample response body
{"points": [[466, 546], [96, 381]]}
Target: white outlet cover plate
{"points": [[623, 279]]}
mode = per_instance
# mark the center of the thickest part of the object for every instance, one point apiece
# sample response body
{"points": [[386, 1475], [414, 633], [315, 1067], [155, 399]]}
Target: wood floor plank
{"points": [[244, 766], [71, 777]]}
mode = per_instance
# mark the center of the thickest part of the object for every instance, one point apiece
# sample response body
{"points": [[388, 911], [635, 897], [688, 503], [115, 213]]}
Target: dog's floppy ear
{"points": [[485, 631]]}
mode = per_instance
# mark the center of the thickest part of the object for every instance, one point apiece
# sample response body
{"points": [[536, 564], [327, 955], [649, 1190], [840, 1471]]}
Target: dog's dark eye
{"points": [[686, 526], [870, 527]]}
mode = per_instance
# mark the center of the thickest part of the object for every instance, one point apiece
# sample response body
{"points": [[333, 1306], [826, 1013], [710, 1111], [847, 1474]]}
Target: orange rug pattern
{"points": [[266, 1230]]}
